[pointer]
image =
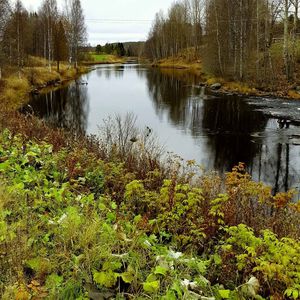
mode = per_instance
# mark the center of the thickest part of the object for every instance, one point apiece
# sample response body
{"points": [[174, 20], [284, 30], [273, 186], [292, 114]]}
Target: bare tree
{"points": [[4, 15], [50, 14], [286, 40], [76, 29]]}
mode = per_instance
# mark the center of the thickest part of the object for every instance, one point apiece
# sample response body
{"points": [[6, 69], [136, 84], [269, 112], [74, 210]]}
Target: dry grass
{"points": [[35, 61], [38, 76], [179, 63], [293, 94], [186, 59], [15, 87], [15, 91], [213, 80], [239, 87]]}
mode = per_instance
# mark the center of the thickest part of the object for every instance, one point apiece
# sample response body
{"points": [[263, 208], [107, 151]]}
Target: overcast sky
{"points": [[105, 18]]}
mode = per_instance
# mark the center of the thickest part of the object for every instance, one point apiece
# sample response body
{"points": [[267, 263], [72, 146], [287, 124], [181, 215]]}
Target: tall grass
{"points": [[121, 139]]}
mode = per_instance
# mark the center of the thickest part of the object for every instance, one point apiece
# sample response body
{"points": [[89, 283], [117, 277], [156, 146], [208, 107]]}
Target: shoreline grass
{"points": [[17, 85]]}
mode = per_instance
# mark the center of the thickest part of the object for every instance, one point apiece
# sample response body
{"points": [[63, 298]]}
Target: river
{"points": [[216, 130]]}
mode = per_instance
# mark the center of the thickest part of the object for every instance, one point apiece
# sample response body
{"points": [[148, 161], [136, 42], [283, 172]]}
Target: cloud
{"points": [[104, 18]]}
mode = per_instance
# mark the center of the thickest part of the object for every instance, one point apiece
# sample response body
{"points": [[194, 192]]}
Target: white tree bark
{"points": [[286, 54]]}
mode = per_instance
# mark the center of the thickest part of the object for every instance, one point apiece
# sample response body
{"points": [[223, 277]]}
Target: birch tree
{"points": [[50, 13], [4, 14], [76, 29], [286, 40]]}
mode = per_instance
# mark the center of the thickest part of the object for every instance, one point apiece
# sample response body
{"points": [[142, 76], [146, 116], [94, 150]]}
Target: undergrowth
{"points": [[79, 221]]}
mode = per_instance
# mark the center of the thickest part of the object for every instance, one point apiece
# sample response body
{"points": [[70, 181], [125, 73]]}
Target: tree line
{"points": [[121, 49], [235, 39], [114, 48], [49, 33]]}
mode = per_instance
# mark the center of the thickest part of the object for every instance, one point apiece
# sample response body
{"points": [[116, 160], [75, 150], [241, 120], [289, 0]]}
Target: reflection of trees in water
{"points": [[171, 92], [67, 107], [229, 123], [108, 71], [277, 165]]}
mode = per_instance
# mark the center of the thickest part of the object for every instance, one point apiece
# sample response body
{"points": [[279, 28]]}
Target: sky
{"points": [[115, 20]]}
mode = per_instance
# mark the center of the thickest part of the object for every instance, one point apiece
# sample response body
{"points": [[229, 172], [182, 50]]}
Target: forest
{"points": [[255, 41], [48, 33]]}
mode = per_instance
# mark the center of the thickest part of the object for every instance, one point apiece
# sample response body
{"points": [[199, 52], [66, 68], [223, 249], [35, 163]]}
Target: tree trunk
{"points": [[49, 44], [218, 39], [286, 53], [257, 40], [296, 3], [241, 41]]}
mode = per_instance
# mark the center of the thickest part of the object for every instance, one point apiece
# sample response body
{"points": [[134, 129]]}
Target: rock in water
{"points": [[216, 86]]}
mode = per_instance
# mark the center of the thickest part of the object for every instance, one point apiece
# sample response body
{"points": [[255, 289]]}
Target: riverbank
{"points": [[84, 218], [287, 90], [16, 86]]}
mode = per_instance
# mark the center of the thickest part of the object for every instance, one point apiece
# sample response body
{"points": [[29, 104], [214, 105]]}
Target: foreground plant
{"points": [[73, 226]]}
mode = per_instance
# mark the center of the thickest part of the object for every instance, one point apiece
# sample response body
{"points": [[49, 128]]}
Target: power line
{"points": [[119, 21]]}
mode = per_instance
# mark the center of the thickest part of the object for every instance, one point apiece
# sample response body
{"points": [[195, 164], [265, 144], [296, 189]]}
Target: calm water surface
{"points": [[217, 131]]}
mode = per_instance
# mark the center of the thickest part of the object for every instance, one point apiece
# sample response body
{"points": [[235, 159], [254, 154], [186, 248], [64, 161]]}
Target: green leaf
{"points": [[54, 280], [225, 294], [159, 270], [3, 166], [151, 278], [107, 279], [295, 294], [111, 217], [137, 219], [217, 259], [111, 265], [127, 277], [288, 292], [151, 287], [114, 205]]}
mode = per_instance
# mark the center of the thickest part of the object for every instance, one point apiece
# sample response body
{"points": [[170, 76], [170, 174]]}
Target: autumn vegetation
{"points": [[112, 217], [38, 49], [247, 42], [86, 218]]}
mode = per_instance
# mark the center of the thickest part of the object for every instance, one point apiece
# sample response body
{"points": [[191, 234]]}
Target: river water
{"points": [[217, 131]]}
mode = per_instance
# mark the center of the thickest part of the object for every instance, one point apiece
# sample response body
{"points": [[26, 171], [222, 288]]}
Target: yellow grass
{"points": [[293, 94], [239, 87], [40, 75], [179, 63], [213, 80], [16, 88]]}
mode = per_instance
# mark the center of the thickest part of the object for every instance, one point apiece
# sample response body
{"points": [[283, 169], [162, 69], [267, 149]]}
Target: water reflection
{"points": [[65, 108], [230, 126], [173, 93], [109, 71], [230, 122], [217, 131]]}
